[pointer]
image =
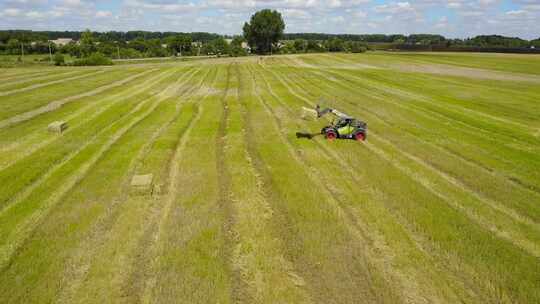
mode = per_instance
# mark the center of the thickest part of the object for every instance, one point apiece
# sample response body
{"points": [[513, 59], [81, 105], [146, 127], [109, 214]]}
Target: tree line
{"points": [[264, 34], [138, 44]]}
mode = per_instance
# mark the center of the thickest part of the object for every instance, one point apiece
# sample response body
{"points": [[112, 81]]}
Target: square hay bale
{"points": [[57, 127], [309, 114], [142, 184]]}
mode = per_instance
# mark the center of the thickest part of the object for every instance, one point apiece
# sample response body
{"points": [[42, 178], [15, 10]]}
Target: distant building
{"points": [[61, 41], [229, 41]]}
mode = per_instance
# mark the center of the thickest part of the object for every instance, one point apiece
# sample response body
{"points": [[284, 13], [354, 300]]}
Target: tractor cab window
{"points": [[342, 123]]}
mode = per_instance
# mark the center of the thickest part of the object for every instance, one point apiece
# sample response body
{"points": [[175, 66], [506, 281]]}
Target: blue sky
{"points": [[452, 18]]}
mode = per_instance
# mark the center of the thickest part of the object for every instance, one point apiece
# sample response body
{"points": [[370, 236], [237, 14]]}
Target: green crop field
{"points": [[441, 203]]}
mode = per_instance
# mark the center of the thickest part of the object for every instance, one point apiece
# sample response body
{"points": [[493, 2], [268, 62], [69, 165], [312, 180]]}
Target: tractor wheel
{"points": [[359, 136], [330, 134]]}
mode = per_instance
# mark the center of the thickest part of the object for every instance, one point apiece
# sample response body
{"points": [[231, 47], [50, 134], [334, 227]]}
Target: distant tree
{"points": [[107, 48], [220, 46], [314, 46], [87, 43], [93, 60], [264, 30], [236, 48], [287, 48], [59, 59], [356, 46], [72, 49], [139, 44], [208, 49], [300, 45], [130, 53], [13, 47], [180, 44], [335, 45]]}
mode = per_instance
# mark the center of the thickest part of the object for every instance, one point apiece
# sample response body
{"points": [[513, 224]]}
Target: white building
{"points": [[61, 41]]}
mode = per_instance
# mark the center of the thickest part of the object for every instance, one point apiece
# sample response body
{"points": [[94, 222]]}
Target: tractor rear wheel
{"points": [[330, 134]]}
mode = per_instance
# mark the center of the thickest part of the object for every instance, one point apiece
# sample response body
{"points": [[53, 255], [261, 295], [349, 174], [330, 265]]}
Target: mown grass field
{"points": [[441, 204]]}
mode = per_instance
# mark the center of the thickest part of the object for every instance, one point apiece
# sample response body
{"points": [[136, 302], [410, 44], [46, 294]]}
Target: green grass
{"points": [[12, 61], [440, 204]]}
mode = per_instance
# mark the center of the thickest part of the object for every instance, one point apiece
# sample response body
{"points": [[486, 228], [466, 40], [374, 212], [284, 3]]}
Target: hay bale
{"points": [[309, 114], [142, 184], [57, 127]]}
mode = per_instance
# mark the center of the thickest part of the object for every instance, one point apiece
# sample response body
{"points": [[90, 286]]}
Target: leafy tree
{"points": [[72, 49], [13, 47], [288, 48], [236, 48], [59, 59], [208, 49], [220, 46], [139, 44], [300, 45], [180, 44], [335, 45], [107, 48], [87, 43], [264, 30], [314, 46], [356, 46], [130, 53], [93, 60]]}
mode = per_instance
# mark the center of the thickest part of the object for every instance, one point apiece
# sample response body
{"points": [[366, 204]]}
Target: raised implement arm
{"points": [[321, 113]]}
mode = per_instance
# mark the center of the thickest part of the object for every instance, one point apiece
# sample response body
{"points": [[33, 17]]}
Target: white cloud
{"points": [[394, 8], [465, 17], [293, 13], [35, 15], [103, 14], [11, 12]]}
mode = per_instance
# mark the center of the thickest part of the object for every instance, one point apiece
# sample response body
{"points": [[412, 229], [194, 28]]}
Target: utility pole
{"points": [[50, 53], [22, 52], [118, 51]]}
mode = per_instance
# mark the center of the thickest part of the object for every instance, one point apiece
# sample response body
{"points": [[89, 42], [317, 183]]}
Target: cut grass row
{"points": [[497, 218], [40, 77], [450, 229], [326, 249], [353, 194], [259, 254], [23, 210], [37, 85], [16, 139], [27, 170], [387, 110], [25, 101], [89, 207], [93, 262], [244, 212], [192, 254], [138, 214]]}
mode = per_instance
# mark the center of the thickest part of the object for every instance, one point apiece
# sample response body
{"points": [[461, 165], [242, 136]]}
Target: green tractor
{"points": [[344, 127]]}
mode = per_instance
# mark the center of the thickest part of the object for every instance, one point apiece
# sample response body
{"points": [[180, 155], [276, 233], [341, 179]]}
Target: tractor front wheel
{"points": [[360, 136]]}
